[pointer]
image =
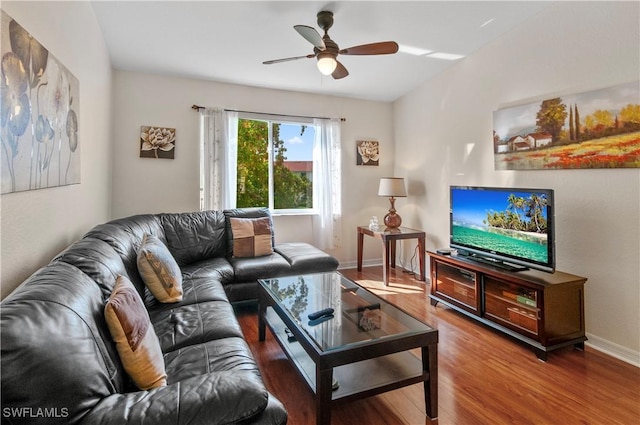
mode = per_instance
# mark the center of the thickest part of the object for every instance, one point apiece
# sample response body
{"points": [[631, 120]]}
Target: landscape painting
{"points": [[596, 129], [39, 121]]}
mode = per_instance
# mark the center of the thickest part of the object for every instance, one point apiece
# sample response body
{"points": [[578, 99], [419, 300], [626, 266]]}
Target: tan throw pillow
{"points": [[251, 236], [136, 341], [159, 270]]}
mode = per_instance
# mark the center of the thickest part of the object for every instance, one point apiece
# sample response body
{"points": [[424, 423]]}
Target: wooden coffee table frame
{"points": [[363, 370]]}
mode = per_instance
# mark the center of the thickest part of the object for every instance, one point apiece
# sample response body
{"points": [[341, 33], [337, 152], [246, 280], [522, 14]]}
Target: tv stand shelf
{"points": [[543, 310]]}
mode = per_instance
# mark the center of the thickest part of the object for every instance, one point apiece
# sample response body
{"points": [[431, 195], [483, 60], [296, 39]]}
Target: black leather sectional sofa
{"points": [[59, 362]]}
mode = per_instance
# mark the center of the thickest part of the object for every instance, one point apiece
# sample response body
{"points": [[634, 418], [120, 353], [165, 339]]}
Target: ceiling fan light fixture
{"points": [[326, 63], [326, 51]]}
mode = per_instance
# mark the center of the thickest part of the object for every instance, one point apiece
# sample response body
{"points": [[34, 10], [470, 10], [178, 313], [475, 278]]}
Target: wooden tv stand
{"points": [[543, 310]]}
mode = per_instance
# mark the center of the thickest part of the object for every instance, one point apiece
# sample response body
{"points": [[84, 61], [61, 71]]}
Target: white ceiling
{"points": [[227, 41]]}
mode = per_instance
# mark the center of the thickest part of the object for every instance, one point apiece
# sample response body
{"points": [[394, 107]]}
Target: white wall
{"points": [[38, 224], [145, 185], [443, 133]]}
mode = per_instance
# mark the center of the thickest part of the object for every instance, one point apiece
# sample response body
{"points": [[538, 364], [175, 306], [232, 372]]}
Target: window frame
{"points": [[282, 119]]}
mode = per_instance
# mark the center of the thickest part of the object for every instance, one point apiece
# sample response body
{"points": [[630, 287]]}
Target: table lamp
{"points": [[393, 187]]}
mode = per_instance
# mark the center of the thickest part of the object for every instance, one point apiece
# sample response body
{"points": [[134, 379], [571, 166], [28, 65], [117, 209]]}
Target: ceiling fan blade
{"points": [[288, 59], [311, 35], [381, 48], [339, 72]]}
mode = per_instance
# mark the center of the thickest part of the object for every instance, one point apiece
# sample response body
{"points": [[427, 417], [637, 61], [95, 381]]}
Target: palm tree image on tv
{"points": [[512, 224]]}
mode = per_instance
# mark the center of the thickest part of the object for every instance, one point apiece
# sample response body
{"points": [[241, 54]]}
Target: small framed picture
{"points": [[157, 142], [368, 152]]}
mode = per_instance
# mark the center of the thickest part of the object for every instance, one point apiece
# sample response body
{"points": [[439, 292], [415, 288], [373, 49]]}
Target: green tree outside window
{"points": [[291, 190]]}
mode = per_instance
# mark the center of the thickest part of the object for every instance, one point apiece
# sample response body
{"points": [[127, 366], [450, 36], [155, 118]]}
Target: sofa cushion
{"points": [[218, 268], [305, 258], [199, 286], [159, 270], [195, 236], [220, 355], [135, 339], [221, 398], [251, 269], [186, 325], [251, 237]]}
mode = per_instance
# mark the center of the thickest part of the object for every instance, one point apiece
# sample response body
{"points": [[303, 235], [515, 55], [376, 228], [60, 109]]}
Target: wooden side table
{"points": [[389, 238]]}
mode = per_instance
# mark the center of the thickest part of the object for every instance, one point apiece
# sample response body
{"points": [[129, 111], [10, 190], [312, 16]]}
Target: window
{"points": [[275, 164], [287, 164]]}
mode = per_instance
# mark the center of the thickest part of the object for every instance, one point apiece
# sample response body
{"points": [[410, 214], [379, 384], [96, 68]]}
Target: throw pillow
{"points": [[159, 270], [136, 341], [251, 236]]}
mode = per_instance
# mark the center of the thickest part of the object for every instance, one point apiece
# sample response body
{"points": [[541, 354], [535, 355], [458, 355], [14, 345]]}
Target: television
{"points": [[511, 228]]}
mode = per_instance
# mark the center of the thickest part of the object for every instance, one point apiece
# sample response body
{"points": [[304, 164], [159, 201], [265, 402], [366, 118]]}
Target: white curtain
{"points": [[218, 158], [327, 224]]}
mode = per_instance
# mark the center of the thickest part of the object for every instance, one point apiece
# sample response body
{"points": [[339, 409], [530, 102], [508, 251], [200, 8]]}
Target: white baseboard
{"points": [[369, 263], [354, 264], [365, 263], [614, 350]]}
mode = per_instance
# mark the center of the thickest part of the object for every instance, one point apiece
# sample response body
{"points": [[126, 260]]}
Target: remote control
{"points": [[290, 336], [318, 314], [320, 319]]}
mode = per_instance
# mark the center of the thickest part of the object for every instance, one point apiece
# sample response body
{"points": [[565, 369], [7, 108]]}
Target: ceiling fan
{"points": [[326, 50]]}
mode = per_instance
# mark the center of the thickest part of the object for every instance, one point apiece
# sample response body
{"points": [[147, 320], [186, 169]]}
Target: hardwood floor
{"points": [[484, 377]]}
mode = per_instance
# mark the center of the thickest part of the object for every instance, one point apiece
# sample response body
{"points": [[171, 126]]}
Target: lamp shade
{"points": [[392, 187]]}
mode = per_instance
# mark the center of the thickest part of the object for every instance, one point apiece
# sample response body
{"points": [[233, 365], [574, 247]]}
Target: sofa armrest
{"points": [[216, 398]]}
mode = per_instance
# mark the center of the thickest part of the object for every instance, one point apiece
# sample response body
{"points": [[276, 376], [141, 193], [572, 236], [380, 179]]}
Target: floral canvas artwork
{"points": [[368, 153], [40, 114], [596, 129], [157, 142]]}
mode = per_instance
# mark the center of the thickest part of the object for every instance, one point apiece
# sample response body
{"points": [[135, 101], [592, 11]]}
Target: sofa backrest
{"points": [[97, 259], [195, 236], [55, 348], [125, 237]]}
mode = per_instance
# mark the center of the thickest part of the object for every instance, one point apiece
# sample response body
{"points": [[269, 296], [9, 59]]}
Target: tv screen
{"points": [[509, 227]]}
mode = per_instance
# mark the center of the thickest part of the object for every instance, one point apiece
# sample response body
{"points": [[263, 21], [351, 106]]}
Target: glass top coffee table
{"points": [[364, 343]]}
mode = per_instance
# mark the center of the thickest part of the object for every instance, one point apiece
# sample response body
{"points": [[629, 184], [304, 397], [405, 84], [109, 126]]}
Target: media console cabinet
{"points": [[543, 310]]}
